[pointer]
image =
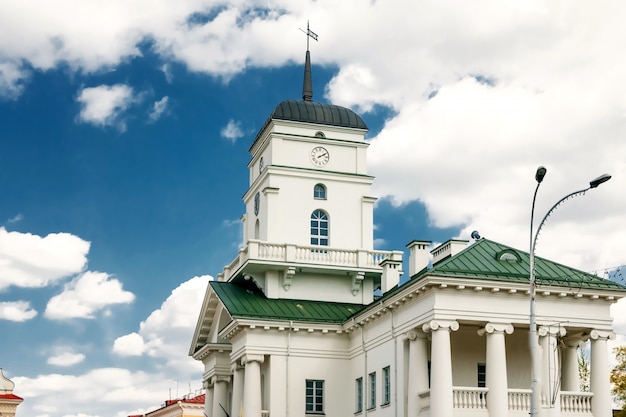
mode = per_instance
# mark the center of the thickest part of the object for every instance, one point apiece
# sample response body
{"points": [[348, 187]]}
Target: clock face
{"points": [[319, 156], [257, 198]]}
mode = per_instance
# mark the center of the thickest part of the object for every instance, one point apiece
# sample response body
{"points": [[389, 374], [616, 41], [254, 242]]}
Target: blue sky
{"points": [[124, 131]]}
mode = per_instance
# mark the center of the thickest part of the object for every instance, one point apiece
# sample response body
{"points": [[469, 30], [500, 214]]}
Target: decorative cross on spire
{"points": [[309, 34], [307, 86]]}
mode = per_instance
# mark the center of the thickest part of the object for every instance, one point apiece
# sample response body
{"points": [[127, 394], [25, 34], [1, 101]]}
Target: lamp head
{"points": [[602, 178], [541, 172]]}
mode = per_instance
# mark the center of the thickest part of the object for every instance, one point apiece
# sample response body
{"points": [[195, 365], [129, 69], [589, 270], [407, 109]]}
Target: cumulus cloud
{"points": [[167, 331], [232, 131], [104, 105], [58, 395], [66, 359], [32, 261], [12, 80], [85, 295], [158, 109], [129, 345], [16, 311]]}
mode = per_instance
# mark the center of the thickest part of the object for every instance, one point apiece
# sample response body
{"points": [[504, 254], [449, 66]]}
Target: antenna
{"points": [[309, 34]]}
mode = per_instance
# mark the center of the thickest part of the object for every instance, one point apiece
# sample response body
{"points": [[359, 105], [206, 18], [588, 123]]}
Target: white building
{"points": [[292, 327]]}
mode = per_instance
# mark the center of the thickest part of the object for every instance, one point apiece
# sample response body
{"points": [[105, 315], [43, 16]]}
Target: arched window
{"points": [[319, 228], [256, 229], [319, 192]]}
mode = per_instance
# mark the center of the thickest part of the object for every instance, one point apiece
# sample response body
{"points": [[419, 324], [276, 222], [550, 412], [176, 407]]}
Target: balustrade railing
{"points": [[576, 402], [265, 251], [469, 398], [519, 399]]}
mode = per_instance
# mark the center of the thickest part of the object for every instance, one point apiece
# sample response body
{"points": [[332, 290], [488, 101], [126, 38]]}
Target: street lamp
{"points": [[535, 402]]}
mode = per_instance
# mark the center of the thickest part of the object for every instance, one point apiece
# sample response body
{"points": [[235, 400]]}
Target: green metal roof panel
{"points": [[248, 302], [481, 261]]}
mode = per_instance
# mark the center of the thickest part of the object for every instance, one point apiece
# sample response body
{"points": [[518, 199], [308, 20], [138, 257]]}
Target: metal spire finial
{"points": [[307, 85]]}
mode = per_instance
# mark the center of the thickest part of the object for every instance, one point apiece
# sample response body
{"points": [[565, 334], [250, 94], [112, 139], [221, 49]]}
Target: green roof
{"points": [[248, 302], [489, 260]]}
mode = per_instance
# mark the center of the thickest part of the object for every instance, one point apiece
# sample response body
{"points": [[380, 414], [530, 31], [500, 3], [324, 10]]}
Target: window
{"points": [[372, 390], [314, 396], [319, 192], [482, 375], [319, 228], [359, 395], [386, 385]]}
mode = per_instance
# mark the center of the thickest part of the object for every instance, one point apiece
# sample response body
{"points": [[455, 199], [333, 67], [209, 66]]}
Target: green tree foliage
{"points": [[618, 375], [583, 370]]}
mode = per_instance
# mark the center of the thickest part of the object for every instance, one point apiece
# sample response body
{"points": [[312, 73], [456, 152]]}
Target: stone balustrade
{"points": [[316, 255]]}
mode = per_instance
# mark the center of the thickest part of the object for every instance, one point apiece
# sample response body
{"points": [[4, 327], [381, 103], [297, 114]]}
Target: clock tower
{"points": [[308, 225]]}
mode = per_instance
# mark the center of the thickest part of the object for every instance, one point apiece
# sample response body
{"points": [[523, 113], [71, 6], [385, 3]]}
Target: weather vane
{"points": [[309, 34]]}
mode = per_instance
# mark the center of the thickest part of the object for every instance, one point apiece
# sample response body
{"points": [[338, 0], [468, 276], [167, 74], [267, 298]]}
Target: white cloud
{"points": [[16, 311], [85, 295], [129, 345], [66, 359], [12, 79], [232, 131], [167, 332], [17, 218], [159, 108], [105, 105], [99, 389], [31, 261]]}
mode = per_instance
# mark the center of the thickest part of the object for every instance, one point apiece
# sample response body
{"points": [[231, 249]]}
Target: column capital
{"points": [[551, 330], [450, 325], [602, 334], [575, 341], [220, 378], [235, 366], [415, 334], [252, 358], [496, 328]]}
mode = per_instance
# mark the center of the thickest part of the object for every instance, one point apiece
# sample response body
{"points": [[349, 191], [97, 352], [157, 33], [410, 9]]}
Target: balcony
{"points": [[472, 402], [279, 254]]}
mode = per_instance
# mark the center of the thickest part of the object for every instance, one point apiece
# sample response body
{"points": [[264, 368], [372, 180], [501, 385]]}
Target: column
{"points": [[208, 399], [441, 367], [497, 377], [551, 366], [417, 369], [601, 403], [237, 400], [220, 395], [252, 385], [570, 379]]}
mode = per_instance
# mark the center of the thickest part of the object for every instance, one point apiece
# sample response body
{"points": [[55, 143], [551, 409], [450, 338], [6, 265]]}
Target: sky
{"points": [[124, 136]]}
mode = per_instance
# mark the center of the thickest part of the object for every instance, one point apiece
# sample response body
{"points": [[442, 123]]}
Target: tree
{"points": [[618, 375], [583, 370]]}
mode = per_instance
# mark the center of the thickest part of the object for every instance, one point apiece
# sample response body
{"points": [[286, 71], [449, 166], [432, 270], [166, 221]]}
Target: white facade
{"points": [[445, 344]]}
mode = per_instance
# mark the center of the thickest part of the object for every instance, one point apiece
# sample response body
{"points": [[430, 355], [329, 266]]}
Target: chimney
{"points": [[418, 255], [392, 269], [448, 249]]}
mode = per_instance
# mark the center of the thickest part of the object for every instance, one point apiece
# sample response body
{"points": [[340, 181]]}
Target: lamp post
{"points": [[535, 402]]}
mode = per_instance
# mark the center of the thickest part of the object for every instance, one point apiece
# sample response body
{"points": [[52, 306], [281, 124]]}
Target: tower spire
{"points": [[307, 85]]}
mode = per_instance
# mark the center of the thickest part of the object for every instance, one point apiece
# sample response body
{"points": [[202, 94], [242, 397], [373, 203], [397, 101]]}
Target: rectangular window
{"points": [[359, 395], [482, 375], [386, 385], [314, 396], [372, 403]]}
